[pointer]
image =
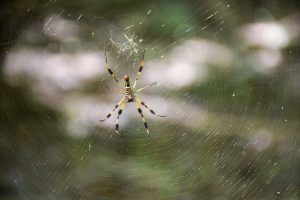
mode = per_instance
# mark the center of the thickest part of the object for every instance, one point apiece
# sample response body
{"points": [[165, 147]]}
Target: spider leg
{"points": [[150, 110], [116, 106], [109, 69], [146, 87], [140, 69], [142, 116], [118, 118]]}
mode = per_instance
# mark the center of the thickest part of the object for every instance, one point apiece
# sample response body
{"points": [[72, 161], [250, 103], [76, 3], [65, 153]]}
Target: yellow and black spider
{"points": [[130, 95]]}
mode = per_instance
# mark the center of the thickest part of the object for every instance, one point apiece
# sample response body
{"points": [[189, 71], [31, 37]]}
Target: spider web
{"points": [[227, 80]]}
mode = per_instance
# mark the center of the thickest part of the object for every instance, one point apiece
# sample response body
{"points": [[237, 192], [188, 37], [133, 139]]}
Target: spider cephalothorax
{"points": [[130, 96]]}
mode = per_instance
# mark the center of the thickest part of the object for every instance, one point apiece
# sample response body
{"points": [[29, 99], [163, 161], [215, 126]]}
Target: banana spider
{"points": [[130, 95]]}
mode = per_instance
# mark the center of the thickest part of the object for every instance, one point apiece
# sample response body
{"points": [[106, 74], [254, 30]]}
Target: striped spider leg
{"points": [[139, 102], [140, 70], [118, 118], [116, 106], [130, 96], [149, 109], [110, 70]]}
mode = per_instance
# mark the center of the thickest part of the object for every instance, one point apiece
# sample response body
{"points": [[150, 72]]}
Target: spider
{"points": [[130, 95]]}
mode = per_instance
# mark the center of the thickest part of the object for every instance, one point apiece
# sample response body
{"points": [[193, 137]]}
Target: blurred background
{"points": [[228, 78]]}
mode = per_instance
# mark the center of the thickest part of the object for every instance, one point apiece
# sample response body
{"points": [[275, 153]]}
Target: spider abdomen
{"points": [[129, 97], [130, 100]]}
